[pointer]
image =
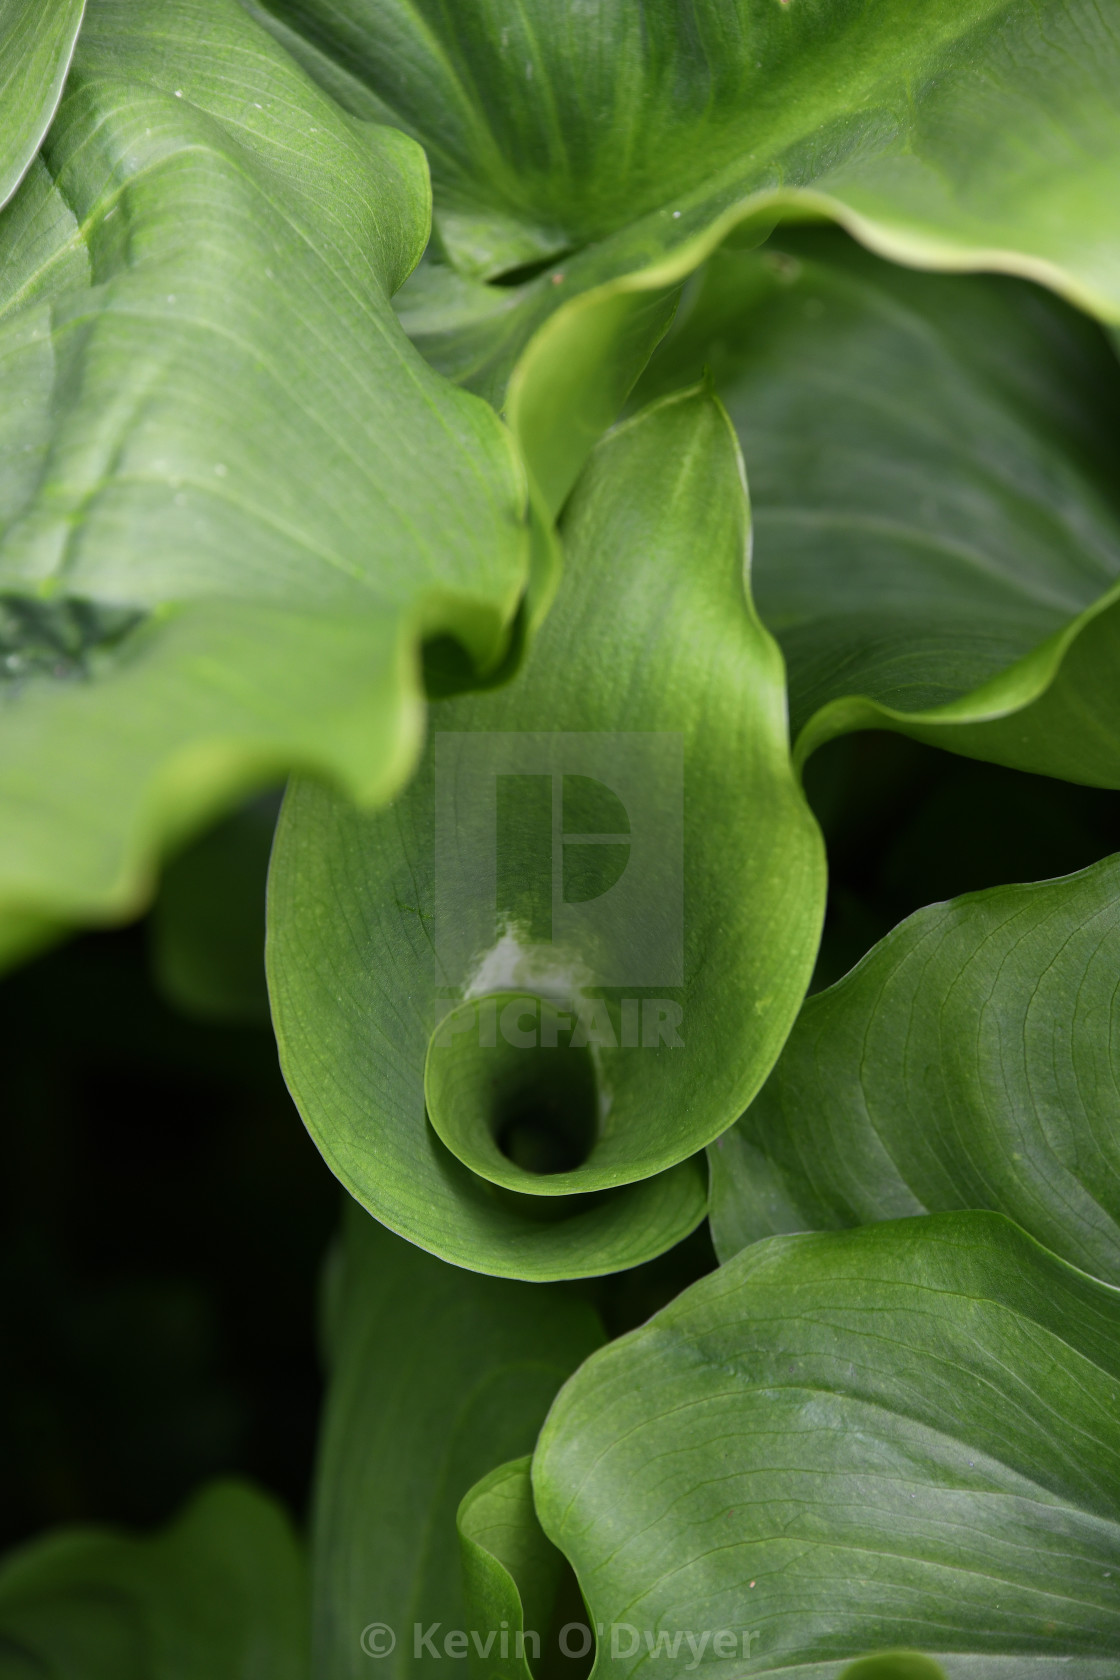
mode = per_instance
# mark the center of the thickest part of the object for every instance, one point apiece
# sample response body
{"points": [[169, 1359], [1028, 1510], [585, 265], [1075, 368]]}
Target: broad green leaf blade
{"points": [[510, 1569], [641, 748], [220, 1595], [511, 1573], [977, 128], [437, 1377], [969, 1061], [102, 773], [233, 499], [615, 146], [36, 44], [946, 566], [906, 1435]]}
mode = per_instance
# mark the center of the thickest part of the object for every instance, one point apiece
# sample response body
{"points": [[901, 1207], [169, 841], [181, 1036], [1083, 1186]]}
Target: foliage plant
{"points": [[718, 389]]}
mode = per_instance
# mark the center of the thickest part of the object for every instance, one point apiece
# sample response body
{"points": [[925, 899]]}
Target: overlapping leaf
{"points": [[36, 43], [569, 1158], [233, 499], [617, 145], [437, 1377], [968, 1061], [220, 1595], [510, 1571], [902, 1436], [937, 529]]}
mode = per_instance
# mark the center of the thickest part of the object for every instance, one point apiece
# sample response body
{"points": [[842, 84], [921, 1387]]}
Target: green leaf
{"points": [[894, 1665], [206, 927], [437, 1377], [906, 1435], [36, 44], [640, 752], [219, 1595], [614, 147], [947, 567], [233, 499], [23, 935], [511, 1573], [969, 1061]]}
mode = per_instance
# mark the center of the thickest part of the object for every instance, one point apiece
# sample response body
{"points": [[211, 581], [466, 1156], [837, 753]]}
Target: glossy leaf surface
{"points": [[654, 700], [36, 43], [968, 1061], [615, 146], [219, 542], [510, 1569], [902, 1436], [937, 529]]}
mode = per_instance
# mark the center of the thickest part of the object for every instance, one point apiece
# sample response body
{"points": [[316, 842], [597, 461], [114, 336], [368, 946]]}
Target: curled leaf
{"points": [[585, 160], [937, 529], [511, 1574], [514, 1005]]}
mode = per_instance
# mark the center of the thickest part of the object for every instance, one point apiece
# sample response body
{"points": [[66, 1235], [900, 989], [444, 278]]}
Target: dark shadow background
{"points": [[163, 1214]]}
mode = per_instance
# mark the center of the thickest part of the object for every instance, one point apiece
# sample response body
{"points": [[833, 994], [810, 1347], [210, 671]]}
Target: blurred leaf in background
{"points": [[207, 924]]}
